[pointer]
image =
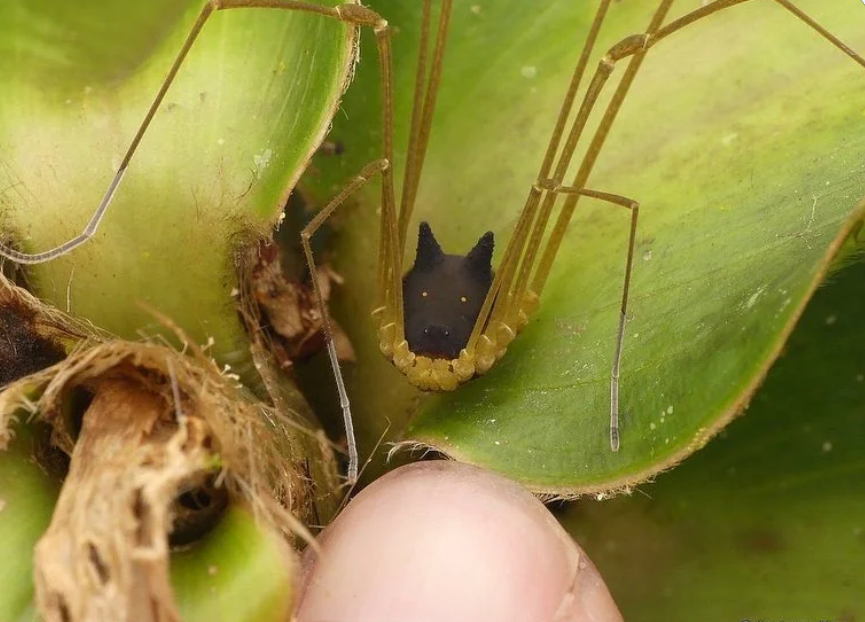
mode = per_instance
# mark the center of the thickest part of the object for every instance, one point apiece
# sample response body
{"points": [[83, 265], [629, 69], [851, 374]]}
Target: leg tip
{"points": [[352, 474]]}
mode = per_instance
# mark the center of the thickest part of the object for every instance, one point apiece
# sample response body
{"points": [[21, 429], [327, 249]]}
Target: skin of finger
{"points": [[441, 540]]}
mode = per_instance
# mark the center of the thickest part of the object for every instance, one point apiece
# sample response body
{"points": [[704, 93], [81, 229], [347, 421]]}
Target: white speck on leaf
{"points": [[831, 319], [529, 71], [827, 446], [262, 161], [753, 299]]}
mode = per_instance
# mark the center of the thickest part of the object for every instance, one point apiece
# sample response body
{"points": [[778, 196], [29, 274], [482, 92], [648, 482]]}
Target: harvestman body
{"points": [[451, 318]]}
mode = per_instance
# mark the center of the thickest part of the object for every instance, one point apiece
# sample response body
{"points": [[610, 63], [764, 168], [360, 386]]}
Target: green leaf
{"points": [[743, 140], [768, 521], [27, 497], [248, 108], [236, 572]]}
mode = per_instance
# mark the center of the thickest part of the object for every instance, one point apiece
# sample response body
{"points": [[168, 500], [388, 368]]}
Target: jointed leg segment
{"points": [[362, 178], [634, 207], [520, 278], [350, 13], [357, 16], [634, 47]]}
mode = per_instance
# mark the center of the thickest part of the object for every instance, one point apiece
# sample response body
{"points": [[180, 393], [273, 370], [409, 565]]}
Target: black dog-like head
{"points": [[443, 295]]}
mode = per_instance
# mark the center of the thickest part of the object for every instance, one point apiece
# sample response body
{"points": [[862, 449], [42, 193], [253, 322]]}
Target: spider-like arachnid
{"points": [[450, 318]]}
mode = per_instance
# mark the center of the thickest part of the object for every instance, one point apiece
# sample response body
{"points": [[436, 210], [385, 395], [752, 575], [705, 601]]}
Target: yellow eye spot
{"points": [[463, 299], [424, 294]]}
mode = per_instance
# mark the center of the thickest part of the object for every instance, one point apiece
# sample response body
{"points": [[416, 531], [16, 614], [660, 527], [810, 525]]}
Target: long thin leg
{"points": [[423, 110], [636, 47], [634, 207], [534, 243], [498, 307], [350, 13], [305, 237], [390, 282], [505, 271], [509, 301]]}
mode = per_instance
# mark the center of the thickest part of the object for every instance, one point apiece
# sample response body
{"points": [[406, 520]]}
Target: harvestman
{"points": [[451, 317]]}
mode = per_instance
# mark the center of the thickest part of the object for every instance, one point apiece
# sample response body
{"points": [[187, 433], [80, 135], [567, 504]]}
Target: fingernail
{"points": [[587, 599]]}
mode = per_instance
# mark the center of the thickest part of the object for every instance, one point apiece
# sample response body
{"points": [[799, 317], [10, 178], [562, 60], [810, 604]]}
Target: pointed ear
{"points": [[429, 253], [480, 258]]}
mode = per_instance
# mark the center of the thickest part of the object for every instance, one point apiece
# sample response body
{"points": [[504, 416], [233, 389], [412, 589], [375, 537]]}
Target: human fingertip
{"points": [[447, 541]]}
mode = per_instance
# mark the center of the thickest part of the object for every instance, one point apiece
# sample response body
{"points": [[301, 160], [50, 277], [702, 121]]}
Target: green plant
{"points": [[742, 139], [149, 431]]}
